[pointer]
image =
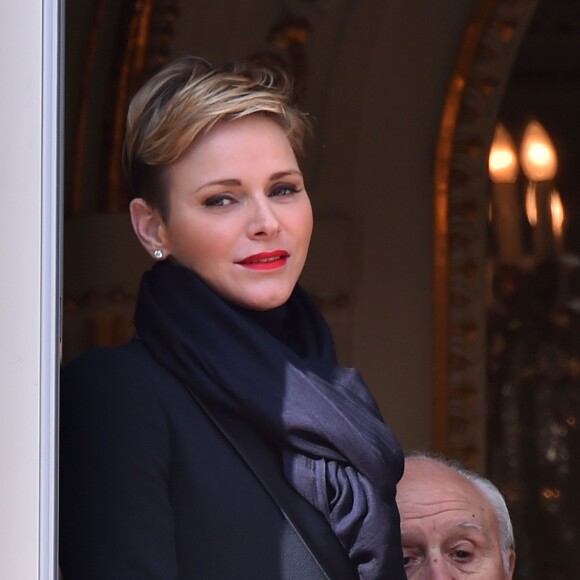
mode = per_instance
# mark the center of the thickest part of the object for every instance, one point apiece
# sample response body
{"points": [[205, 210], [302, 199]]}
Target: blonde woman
{"points": [[224, 441]]}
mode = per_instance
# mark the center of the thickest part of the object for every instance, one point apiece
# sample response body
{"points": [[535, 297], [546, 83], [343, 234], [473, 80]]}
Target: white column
{"points": [[29, 287]]}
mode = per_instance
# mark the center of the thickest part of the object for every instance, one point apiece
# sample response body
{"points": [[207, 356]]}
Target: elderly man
{"points": [[454, 523]]}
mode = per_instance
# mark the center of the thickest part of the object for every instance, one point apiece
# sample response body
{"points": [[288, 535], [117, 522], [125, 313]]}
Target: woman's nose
{"points": [[263, 221]]}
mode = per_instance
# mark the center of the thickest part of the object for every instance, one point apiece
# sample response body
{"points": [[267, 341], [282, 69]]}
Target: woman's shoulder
{"points": [[114, 372], [131, 355]]}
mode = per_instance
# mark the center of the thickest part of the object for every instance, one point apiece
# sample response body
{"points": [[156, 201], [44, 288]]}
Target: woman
{"points": [[223, 441]]}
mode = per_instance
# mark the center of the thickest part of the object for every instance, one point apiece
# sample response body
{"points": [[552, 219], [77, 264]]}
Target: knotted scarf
{"points": [[284, 381]]}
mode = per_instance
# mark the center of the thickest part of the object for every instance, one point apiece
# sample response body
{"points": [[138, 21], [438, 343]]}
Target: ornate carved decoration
{"points": [[147, 28], [460, 212], [286, 48], [148, 48]]}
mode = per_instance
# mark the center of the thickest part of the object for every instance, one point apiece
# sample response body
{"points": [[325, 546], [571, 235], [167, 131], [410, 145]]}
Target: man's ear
{"points": [[148, 225], [512, 564]]}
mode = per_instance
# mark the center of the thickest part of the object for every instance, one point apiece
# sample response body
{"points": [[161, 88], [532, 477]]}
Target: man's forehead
{"points": [[430, 489], [451, 512], [423, 473], [448, 528]]}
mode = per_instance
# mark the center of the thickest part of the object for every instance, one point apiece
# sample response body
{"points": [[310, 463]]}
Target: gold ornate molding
{"points": [[148, 48], [286, 48], [144, 48], [460, 211]]}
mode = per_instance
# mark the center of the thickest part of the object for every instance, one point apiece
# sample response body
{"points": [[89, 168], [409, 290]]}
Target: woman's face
{"points": [[239, 215]]}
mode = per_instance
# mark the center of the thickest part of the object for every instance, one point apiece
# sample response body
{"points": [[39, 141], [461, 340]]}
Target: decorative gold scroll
{"points": [[460, 211], [146, 47]]}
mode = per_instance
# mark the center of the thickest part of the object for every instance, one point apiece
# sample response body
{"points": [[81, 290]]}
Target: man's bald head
{"points": [[454, 523]]}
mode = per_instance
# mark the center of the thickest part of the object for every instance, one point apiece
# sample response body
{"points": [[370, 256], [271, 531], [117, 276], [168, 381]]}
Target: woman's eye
{"points": [[218, 201], [284, 190]]}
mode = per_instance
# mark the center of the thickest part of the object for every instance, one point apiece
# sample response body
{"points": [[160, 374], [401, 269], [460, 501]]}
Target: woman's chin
{"points": [[264, 301]]}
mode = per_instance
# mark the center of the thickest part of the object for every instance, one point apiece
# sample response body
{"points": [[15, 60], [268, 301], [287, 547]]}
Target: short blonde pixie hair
{"points": [[185, 100]]}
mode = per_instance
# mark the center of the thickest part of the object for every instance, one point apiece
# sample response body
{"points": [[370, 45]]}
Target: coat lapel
{"points": [[309, 524]]}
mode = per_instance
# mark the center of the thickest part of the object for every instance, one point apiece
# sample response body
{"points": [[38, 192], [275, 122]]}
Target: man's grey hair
{"points": [[490, 491]]}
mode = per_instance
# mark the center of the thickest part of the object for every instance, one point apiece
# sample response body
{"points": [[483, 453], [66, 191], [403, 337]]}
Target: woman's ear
{"points": [[149, 227]]}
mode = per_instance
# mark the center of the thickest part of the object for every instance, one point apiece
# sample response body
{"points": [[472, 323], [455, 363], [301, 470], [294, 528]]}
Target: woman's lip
{"points": [[265, 260]]}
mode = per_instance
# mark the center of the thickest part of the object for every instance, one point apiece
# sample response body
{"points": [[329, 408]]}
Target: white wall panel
{"points": [[28, 259]]}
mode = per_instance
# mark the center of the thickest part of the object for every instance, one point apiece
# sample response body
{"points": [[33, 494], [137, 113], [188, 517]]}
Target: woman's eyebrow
{"points": [[228, 182], [280, 174]]}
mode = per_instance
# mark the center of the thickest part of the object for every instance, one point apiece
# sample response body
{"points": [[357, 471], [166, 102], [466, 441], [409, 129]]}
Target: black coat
{"points": [[152, 489]]}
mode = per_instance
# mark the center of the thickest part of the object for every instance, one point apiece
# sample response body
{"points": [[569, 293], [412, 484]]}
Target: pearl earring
{"points": [[158, 254]]}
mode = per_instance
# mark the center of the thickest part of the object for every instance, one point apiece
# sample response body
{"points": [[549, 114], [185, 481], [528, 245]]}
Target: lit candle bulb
{"points": [[507, 208], [538, 155], [539, 164], [557, 215]]}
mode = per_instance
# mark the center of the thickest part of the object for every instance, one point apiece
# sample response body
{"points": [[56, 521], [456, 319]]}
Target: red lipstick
{"points": [[265, 260]]}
